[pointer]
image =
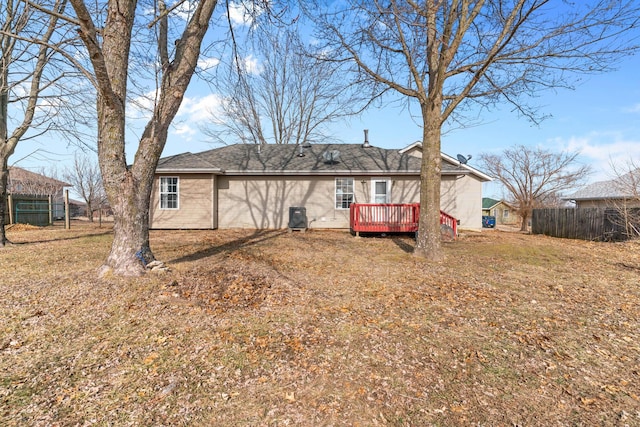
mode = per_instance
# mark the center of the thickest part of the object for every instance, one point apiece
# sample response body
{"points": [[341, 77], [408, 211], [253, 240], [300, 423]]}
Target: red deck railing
{"points": [[391, 218]]}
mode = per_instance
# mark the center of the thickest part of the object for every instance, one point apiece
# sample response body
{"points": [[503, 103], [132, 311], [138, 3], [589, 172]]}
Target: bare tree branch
{"points": [[289, 99], [534, 178], [450, 56]]}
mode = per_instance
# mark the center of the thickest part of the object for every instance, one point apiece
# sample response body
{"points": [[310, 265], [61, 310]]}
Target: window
{"points": [[380, 190], [169, 192], [505, 214], [344, 193]]}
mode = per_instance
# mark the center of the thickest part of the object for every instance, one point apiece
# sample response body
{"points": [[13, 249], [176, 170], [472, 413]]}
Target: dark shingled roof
{"points": [[252, 159]]}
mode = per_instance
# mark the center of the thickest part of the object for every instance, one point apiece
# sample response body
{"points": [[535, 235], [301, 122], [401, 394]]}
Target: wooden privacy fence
{"points": [[586, 223]]}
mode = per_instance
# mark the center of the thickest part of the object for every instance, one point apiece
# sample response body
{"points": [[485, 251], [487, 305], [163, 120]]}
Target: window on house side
{"points": [[169, 192], [344, 193], [505, 214]]}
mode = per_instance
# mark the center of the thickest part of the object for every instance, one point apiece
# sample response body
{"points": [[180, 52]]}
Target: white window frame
{"points": [[342, 194], [163, 192], [374, 181]]}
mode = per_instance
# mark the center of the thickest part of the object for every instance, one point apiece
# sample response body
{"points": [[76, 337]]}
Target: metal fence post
{"points": [[67, 216]]}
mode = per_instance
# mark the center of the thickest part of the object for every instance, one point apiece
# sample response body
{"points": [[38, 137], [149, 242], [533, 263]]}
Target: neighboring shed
{"points": [[254, 186]]}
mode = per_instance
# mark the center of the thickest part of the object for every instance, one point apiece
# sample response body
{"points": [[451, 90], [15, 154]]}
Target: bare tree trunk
{"points": [[130, 249], [428, 244], [129, 196], [525, 219]]}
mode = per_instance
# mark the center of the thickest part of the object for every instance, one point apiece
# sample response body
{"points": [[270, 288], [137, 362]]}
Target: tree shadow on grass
{"points": [[257, 237], [404, 244]]}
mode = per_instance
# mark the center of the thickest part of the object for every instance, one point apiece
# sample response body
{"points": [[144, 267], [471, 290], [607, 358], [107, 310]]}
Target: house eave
{"points": [[320, 172], [334, 172], [596, 199], [216, 171], [470, 170]]}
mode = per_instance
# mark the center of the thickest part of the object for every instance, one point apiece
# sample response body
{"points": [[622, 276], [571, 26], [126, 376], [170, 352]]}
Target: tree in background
{"points": [[277, 93], [84, 176], [462, 56], [534, 178], [35, 94]]}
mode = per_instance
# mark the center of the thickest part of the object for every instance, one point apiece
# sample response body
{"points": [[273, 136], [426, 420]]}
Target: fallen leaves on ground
{"points": [[320, 328]]}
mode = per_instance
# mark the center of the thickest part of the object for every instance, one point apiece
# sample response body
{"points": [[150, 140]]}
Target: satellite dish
{"points": [[462, 159]]}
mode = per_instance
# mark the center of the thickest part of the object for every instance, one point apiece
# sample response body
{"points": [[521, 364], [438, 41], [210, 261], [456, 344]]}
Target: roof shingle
{"points": [[625, 186], [247, 159]]}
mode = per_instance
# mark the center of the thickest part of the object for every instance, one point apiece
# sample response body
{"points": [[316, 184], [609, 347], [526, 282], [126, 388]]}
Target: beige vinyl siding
{"points": [[607, 203], [263, 202], [461, 197], [196, 203]]}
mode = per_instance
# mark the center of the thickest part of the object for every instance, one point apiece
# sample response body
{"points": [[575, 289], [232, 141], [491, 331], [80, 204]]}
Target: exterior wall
{"points": [[196, 203], [499, 212], [592, 204], [263, 202], [608, 203], [462, 198]]}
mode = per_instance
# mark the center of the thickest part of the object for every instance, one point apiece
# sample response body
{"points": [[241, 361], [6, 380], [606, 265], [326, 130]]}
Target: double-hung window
{"points": [[344, 193], [168, 192]]}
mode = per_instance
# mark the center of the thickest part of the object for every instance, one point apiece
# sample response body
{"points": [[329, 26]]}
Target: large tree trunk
{"points": [[525, 220], [428, 242], [130, 213], [130, 250]]}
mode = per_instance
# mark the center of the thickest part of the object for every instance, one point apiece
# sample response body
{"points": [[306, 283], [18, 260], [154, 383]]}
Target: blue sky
{"points": [[600, 119]]}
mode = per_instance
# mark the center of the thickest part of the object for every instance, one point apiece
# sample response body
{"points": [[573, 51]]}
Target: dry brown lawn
{"points": [[319, 329]]}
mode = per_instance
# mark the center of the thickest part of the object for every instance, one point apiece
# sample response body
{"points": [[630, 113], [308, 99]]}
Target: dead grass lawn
{"points": [[319, 328]]}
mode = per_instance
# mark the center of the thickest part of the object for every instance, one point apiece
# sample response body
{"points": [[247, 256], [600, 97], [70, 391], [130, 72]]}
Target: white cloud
{"points": [[239, 15], [208, 63], [244, 13], [141, 106], [184, 10], [251, 65], [194, 110], [603, 151], [184, 130]]}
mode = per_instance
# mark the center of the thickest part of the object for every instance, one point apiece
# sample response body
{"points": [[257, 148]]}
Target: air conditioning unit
{"points": [[297, 218]]}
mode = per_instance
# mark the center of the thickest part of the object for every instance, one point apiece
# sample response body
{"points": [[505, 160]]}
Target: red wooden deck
{"points": [[391, 218]]}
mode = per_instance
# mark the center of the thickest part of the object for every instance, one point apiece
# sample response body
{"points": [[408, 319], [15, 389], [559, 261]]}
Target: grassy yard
{"points": [[319, 329]]}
